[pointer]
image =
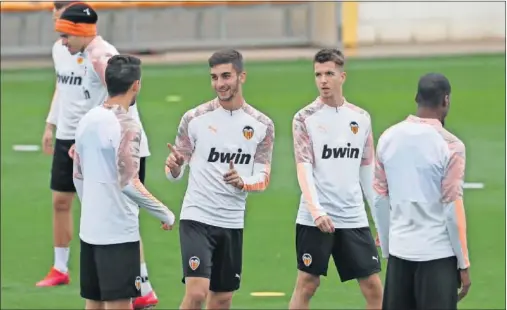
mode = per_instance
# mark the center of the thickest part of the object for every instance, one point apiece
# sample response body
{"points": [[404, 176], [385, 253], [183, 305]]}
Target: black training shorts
{"points": [[353, 249], [421, 285], [212, 252], [61, 168], [110, 272]]}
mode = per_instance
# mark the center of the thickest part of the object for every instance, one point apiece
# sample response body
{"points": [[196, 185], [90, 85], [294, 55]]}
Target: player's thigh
{"points": [[313, 250], [142, 169], [399, 284], [355, 254], [62, 168], [89, 281], [119, 270], [196, 249], [437, 283], [227, 260]]}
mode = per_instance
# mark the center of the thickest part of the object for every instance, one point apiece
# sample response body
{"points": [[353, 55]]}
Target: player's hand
{"points": [[72, 151], [465, 283], [175, 159], [166, 226], [325, 224], [47, 142], [232, 177]]}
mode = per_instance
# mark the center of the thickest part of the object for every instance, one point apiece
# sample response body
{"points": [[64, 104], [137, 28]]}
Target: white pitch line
{"points": [[26, 148], [473, 185]]}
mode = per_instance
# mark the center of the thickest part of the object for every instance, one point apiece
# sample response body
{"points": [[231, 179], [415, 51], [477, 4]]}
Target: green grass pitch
{"points": [[386, 88]]}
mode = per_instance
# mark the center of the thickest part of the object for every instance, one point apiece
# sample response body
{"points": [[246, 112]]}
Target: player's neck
{"points": [[235, 104], [336, 101], [88, 40], [122, 101], [428, 113]]}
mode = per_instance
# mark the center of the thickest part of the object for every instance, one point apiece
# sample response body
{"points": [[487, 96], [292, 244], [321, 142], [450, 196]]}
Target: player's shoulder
{"points": [[100, 48], [388, 133], [200, 110], [357, 109], [308, 110], [258, 116], [454, 143]]}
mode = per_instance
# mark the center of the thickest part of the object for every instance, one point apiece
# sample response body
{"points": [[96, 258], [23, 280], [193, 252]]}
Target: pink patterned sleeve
{"points": [[369, 150], [100, 64], [184, 144], [452, 184], [380, 179], [302, 144], [128, 153]]}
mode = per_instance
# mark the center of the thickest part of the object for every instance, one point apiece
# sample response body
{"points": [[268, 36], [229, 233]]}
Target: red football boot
{"points": [[147, 301], [54, 278]]}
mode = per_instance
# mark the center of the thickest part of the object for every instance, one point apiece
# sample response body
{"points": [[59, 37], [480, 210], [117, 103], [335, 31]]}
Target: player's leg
{"points": [[227, 266], [356, 257], [118, 273], [313, 249], [148, 297], [63, 191], [437, 284], [399, 290], [89, 281], [196, 253]]}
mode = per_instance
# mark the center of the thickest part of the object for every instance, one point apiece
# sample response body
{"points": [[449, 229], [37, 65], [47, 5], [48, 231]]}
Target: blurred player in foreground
{"points": [[227, 145], [334, 151], [106, 167], [80, 59], [419, 177]]}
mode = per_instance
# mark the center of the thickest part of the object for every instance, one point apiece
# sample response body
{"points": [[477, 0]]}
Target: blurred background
{"points": [[388, 46]]}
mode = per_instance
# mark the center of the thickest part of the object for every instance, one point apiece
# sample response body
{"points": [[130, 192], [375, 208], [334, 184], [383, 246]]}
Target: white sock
{"points": [[145, 283], [61, 259]]}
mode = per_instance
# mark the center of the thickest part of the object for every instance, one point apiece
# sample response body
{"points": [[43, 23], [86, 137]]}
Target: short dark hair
{"points": [[121, 72], [330, 54], [61, 4], [432, 89], [228, 56]]}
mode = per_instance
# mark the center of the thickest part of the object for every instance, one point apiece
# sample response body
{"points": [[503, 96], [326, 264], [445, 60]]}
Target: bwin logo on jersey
{"points": [[226, 157], [69, 79], [340, 152]]}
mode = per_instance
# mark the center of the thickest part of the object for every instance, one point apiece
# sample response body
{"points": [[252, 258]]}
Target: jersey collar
{"points": [[430, 121]]}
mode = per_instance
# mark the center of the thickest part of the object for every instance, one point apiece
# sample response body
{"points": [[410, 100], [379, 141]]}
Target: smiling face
{"points": [[226, 81]]}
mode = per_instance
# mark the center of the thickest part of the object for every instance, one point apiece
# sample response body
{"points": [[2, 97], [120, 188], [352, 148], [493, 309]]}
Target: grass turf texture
{"points": [[386, 88]]}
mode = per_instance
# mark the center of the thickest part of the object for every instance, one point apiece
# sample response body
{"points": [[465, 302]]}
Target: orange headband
{"points": [[75, 29]]}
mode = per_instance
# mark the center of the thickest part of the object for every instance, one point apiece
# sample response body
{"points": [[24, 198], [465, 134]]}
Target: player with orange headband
{"points": [[80, 59]]}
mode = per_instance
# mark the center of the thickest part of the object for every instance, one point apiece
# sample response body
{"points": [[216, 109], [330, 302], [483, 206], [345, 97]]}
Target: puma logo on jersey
{"points": [[340, 152], [225, 157], [69, 79]]}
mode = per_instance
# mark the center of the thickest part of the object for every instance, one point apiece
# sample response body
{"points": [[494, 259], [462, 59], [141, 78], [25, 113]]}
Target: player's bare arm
{"points": [[128, 167], [51, 121], [259, 180], [381, 206], [452, 189], [304, 164]]}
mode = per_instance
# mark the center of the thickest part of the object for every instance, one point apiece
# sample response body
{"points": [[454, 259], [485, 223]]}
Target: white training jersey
{"points": [[106, 216], [331, 144], [209, 137], [419, 176], [80, 87]]}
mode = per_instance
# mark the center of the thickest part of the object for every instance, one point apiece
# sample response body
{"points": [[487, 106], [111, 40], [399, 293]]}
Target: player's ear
{"points": [[447, 100], [343, 75], [136, 86], [242, 77]]}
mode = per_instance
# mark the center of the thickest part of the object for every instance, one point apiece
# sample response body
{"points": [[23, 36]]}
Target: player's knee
{"points": [[307, 284], [219, 300], [62, 202], [197, 290], [371, 287]]}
